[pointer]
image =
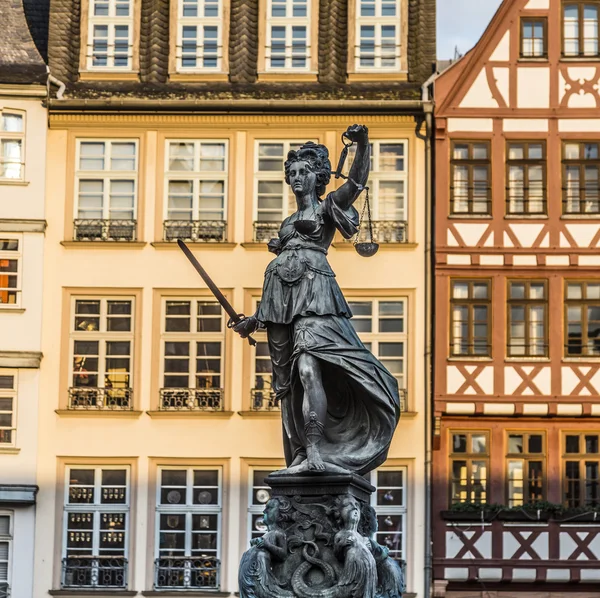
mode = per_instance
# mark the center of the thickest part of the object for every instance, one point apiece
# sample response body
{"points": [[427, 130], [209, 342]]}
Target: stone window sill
{"points": [[103, 244], [9, 450], [14, 310], [14, 183], [183, 414], [274, 414], [91, 592], [194, 244], [97, 413]]}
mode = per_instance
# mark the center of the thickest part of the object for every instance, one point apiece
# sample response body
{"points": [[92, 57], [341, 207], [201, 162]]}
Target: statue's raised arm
{"points": [[358, 176]]}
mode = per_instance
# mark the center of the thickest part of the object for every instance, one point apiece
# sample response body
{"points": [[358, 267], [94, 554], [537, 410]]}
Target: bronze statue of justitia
{"points": [[339, 404]]}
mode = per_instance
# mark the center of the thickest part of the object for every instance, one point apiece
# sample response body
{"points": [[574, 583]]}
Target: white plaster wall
{"points": [[480, 94], [533, 87]]}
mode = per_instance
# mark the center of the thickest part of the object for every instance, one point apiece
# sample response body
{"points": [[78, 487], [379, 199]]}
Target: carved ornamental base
{"points": [[319, 543]]}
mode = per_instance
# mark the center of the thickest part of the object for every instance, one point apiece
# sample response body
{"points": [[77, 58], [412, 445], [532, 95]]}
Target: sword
{"points": [[234, 317]]}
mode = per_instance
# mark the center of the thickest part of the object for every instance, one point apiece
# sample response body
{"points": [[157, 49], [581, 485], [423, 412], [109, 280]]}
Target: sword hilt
{"points": [[234, 322]]}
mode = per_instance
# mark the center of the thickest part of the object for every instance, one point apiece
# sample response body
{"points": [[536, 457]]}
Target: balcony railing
{"points": [[106, 399], [94, 572], [265, 231], [191, 399], [105, 230], [205, 231], [187, 573], [4, 590], [264, 400], [386, 231]]}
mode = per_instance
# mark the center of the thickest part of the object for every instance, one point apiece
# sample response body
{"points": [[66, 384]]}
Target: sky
{"points": [[460, 23]]}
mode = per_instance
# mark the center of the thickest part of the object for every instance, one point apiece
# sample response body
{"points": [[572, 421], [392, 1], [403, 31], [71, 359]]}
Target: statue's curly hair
{"points": [[317, 157], [338, 506], [368, 521], [285, 509]]}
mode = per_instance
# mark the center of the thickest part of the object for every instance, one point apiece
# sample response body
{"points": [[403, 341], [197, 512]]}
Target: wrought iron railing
{"points": [[207, 231], [264, 400], [105, 230], [94, 572], [118, 399], [386, 231], [191, 399], [265, 231], [187, 573], [4, 590]]}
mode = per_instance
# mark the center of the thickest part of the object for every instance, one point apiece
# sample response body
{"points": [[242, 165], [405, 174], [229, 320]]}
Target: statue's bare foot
{"points": [[315, 463]]}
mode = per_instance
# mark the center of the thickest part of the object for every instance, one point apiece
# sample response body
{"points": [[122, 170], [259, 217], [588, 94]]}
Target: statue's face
{"points": [[351, 512], [302, 180], [271, 513]]}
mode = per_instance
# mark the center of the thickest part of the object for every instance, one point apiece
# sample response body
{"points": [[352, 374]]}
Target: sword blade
{"points": [[214, 289]]}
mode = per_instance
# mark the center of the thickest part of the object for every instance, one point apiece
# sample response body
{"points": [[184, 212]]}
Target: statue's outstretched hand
{"points": [[246, 327], [358, 133]]}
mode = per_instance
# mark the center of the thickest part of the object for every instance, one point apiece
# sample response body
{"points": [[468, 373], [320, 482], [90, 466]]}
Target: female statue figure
{"points": [[339, 404]]}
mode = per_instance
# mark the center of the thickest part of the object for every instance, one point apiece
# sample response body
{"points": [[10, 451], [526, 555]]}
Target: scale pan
{"points": [[366, 249], [305, 227]]}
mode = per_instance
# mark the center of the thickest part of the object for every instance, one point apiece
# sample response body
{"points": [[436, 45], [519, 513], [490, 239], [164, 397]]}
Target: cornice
{"points": [[17, 225], [20, 359]]}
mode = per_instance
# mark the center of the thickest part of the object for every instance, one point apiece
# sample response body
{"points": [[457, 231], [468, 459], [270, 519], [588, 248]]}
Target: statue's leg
{"points": [[280, 350], [314, 408]]}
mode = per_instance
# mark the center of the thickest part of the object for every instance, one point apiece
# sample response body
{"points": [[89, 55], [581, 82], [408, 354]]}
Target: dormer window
{"points": [[110, 35], [199, 35], [288, 45], [377, 31]]}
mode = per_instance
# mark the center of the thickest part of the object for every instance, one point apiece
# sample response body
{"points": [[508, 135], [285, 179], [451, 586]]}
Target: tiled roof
{"points": [[243, 54], [20, 60]]}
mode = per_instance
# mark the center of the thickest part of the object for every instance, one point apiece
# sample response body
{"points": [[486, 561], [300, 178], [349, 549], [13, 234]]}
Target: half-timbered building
{"points": [[517, 285]]}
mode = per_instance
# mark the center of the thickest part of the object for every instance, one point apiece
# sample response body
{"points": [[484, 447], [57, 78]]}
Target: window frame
{"points": [[10, 393], [471, 303], [18, 256], [580, 29], [471, 163], [581, 164], [527, 304], [469, 457], [8, 539], [583, 303], [525, 164], [532, 20], [581, 458], [526, 457], [268, 401], [13, 136], [252, 509]]}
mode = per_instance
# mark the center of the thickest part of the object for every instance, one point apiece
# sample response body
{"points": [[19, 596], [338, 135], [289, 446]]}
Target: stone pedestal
{"points": [[319, 543]]}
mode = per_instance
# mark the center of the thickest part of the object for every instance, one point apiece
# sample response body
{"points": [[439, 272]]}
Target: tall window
{"points": [[188, 516], [260, 494], [471, 306], [5, 554], [8, 408], [106, 187], [96, 527], [534, 37], [390, 504], [101, 353], [582, 331], [110, 35], [581, 181], [525, 469], [388, 182], [274, 199], [381, 326], [200, 35], [262, 394], [469, 467], [10, 271], [580, 21], [527, 319], [196, 189], [377, 35], [582, 470], [193, 342], [288, 35], [471, 178], [12, 141], [526, 177]]}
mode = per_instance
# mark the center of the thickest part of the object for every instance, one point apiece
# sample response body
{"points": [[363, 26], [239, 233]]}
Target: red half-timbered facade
{"points": [[516, 461]]}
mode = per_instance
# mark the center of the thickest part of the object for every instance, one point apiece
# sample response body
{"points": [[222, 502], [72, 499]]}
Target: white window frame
{"points": [[13, 255], [12, 136], [289, 207], [97, 508], [102, 336], [200, 22], [106, 175], [374, 338], [396, 510], [254, 510], [197, 176], [189, 509], [191, 337], [10, 393], [378, 22], [111, 21], [288, 22], [8, 539]]}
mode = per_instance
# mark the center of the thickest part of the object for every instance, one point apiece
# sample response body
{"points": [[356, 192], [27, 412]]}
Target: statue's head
{"points": [[346, 511], [316, 158], [368, 521], [277, 511]]}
